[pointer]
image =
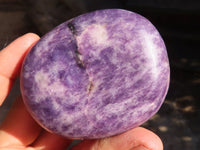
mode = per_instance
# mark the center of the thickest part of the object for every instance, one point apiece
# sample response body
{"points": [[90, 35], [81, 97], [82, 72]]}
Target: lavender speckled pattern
{"points": [[96, 75]]}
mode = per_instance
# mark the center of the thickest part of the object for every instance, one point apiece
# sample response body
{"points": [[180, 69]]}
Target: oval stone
{"points": [[96, 75]]}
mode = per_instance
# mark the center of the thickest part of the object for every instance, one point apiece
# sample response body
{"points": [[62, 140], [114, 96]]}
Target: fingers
{"points": [[135, 139], [11, 59], [18, 128], [49, 141], [12, 56]]}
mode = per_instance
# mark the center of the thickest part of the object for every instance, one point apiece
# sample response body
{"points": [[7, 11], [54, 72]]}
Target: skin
{"points": [[20, 132]]}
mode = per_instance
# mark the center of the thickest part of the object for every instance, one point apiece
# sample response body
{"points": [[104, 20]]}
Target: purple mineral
{"points": [[96, 75]]}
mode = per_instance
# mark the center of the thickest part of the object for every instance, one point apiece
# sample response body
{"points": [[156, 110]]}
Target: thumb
{"points": [[136, 139]]}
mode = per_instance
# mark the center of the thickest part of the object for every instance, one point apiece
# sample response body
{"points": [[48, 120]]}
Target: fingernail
{"points": [[139, 148]]}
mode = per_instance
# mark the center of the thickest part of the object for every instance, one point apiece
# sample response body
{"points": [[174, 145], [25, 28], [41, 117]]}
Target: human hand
{"points": [[20, 132]]}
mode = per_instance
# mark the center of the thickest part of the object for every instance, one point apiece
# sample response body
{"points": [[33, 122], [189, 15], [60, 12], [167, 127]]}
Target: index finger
{"points": [[11, 59]]}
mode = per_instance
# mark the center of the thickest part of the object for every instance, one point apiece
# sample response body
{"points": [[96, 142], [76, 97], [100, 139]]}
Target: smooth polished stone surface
{"points": [[96, 75]]}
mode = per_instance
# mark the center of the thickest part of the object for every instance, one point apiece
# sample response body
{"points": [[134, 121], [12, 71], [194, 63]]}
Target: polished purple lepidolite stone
{"points": [[96, 75]]}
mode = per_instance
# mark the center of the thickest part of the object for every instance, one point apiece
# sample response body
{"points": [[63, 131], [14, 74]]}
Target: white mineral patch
{"points": [[96, 37], [42, 79], [45, 85], [150, 49], [98, 34]]}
